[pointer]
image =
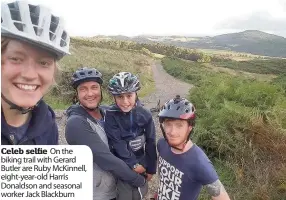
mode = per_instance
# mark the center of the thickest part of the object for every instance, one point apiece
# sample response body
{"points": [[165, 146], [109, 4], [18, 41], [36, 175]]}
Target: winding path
{"points": [[167, 87]]}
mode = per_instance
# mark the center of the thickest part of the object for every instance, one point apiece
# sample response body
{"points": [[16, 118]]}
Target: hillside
{"points": [[255, 42], [241, 126], [108, 62], [241, 118], [249, 41]]}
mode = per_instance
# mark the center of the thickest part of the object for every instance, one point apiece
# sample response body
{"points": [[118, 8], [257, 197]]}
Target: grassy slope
{"points": [[218, 96], [267, 66], [241, 125], [108, 62], [245, 62], [238, 56]]}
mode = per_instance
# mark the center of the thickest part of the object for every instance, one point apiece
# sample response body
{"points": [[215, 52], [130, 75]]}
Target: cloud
{"points": [[255, 21], [282, 33], [283, 4]]}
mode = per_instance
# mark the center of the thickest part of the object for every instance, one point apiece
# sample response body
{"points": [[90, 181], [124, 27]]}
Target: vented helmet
{"points": [[123, 82], [86, 74], [35, 24]]}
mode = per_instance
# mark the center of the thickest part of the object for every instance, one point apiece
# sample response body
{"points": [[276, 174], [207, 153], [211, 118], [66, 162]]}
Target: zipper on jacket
{"points": [[12, 139], [131, 124]]}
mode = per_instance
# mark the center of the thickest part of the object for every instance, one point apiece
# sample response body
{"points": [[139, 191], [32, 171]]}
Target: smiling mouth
{"points": [[172, 137], [91, 99], [25, 87]]}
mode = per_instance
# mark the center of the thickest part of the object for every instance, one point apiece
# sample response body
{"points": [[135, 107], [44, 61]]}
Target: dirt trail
{"points": [[167, 87]]}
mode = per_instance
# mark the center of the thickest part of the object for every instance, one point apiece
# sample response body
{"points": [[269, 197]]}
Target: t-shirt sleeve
{"points": [[205, 171], [159, 144]]}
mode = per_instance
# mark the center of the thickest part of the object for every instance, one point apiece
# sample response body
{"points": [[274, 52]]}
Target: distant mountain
{"points": [[252, 41], [249, 41]]}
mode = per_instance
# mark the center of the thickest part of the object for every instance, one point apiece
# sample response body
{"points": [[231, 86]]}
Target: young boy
{"points": [[131, 132], [183, 166]]}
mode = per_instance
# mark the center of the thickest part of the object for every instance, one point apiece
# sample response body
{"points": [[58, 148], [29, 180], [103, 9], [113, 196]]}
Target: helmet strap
{"points": [[16, 107]]}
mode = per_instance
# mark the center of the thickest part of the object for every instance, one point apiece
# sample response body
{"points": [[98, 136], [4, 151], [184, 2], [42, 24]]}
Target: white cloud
{"points": [[160, 17], [258, 20], [283, 4]]}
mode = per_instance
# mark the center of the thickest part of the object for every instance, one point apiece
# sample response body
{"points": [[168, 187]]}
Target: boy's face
{"points": [[126, 101], [177, 131]]}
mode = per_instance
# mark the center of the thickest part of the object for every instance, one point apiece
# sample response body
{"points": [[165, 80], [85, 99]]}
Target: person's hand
{"points": [[139, 169], [149, 177]]}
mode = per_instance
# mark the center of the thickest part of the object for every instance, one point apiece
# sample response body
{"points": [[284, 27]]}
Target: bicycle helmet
{"points": [[177, 108], [86, 74], [36, 25], [123, 82]]}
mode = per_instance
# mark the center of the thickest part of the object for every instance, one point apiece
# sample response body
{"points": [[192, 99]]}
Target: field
{"points": [[242, 127], [265, 66], [241, 106]]}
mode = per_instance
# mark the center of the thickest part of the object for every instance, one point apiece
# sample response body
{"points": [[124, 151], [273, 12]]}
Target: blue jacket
{"points": [[122, 128], [42, 129], [83, 129]]}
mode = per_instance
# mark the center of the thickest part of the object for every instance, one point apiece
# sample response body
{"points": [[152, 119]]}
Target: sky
{"points": [[168, 17]]}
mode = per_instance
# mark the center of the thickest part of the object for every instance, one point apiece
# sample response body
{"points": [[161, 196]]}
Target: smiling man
{"points": [[85, 127], [183, 166]]}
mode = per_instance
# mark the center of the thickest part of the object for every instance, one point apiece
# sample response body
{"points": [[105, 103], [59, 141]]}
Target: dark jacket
{"points": [[83, 129], [123, 129], [42, 128]]}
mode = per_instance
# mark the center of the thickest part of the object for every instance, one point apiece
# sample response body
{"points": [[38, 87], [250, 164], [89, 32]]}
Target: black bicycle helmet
{"points": [[86, 74]]}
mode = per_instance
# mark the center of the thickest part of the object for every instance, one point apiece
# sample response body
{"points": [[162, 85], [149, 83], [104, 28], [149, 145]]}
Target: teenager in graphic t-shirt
{"points": [[183, 166]]}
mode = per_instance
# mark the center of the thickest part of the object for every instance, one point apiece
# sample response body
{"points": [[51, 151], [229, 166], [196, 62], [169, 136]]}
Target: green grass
{"points": [[269, 66], [108, 62], [156, 55], [234, 55], [227, 177], [241, 125], [280, 81], [192, 72]]}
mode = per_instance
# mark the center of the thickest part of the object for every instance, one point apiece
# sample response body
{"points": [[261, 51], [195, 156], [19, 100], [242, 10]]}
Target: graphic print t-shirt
{"points": [[183, 175]]}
